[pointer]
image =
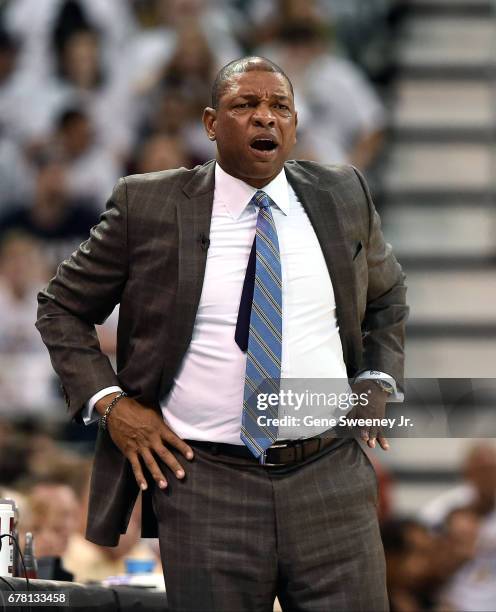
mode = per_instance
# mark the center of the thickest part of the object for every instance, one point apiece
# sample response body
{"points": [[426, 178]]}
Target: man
{"points": [[248, 515], [478, 491]]}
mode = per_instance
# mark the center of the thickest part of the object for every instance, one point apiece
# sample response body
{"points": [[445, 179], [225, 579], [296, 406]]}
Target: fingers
{"points": [[371, 441], [153, 468], [138, 472], [383, 443], [373, 435], [369, 436], [170, 460], [170, 437], [167, 457]]}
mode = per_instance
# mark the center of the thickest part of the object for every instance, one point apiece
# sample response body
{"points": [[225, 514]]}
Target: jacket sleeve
{"points": [[383, 326], [84, 292]]}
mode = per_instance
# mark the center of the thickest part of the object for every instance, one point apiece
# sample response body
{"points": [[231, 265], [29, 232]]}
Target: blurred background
{"points": [[91, 90]]}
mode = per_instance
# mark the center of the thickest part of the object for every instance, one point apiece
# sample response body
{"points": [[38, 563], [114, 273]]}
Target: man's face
{"points": [[254, 126]]}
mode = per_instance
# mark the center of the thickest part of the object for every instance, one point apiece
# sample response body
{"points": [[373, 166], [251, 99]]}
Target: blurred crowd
{"points": [[49, 482], [444, 559], [91, 90]]}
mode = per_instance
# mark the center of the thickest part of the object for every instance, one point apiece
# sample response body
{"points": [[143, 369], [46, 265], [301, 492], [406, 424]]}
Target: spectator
{"points": [[192, 67], [218, 23], [161, 152], [478, 491], [9, 79], [24, 104], [13, 457], [55, 517], [462, 528], [79, 78], [82, 78], [170, 112], [155, 42], [57, 222], [26, 376], [270, 17], [38, 96], [33, 22], [8, 55], [88, 562], [16, 120], [184, 90], [50, 462], [472, 587], [361, 28], [91, 170], [409, 549], [16, 174]]}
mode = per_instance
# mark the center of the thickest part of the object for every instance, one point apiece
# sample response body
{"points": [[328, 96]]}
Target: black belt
{"points": [[279, 454]]}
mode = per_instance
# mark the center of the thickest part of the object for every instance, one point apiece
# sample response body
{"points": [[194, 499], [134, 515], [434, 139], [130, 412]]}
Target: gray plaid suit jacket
{"points": [[148, 255]]}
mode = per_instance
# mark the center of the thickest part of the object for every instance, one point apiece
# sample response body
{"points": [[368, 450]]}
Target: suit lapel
{"points": [[194, 213], [322, 209]]}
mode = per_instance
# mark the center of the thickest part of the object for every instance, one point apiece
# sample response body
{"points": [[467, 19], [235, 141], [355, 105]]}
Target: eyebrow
{"points": [[251, 96]]}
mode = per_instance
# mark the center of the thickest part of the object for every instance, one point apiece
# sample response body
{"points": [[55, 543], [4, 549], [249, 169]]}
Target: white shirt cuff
{"points": [[395, 396], [88, 414]]}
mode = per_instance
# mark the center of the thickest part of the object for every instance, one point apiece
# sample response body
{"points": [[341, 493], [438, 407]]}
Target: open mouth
{"points": [[263, 144]]}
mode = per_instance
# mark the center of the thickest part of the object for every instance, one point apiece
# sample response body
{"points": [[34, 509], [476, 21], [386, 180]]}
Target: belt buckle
{"points": [[263, 457]]}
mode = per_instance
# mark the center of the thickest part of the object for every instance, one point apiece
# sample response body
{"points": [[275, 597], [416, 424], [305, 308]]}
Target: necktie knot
{"points": [[261, 199]]}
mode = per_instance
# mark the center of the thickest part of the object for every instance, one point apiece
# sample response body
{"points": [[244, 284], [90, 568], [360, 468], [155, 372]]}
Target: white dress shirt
{"points": [[206, 400]]}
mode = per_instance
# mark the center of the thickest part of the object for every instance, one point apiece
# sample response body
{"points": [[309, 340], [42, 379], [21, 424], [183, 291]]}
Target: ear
{"points": [[296, 124], [209, 120]]}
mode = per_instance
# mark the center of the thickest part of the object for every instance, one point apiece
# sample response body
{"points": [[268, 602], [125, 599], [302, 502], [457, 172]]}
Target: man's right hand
{"points": [[139, 432]]}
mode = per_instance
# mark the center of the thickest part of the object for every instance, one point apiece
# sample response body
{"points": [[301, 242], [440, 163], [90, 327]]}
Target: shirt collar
{"points": [[235, 194]]}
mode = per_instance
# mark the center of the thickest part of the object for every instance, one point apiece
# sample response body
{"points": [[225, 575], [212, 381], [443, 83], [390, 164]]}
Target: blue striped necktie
{"points": [[263, 362]]}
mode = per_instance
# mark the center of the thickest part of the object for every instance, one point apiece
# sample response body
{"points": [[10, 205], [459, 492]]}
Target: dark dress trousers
{"points": [[148, 253]]}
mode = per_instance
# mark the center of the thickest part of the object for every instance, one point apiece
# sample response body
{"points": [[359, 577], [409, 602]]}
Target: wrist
{"points": [[108, 410], [384, 385], [103, 402]]}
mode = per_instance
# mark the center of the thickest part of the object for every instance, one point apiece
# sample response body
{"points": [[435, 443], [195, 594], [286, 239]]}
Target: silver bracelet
{"points": [[103, 419]]}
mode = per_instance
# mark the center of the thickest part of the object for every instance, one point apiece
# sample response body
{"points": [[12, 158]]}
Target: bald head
{"points": [[481, 455], [480, 471], [240, 66]]}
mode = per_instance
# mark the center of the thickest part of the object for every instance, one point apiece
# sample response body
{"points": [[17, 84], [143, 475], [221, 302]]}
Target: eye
{"points": [[243, 105], [283, 107]]}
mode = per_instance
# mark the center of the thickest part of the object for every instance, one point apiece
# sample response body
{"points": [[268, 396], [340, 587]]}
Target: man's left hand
{"points": [[374, 409]]}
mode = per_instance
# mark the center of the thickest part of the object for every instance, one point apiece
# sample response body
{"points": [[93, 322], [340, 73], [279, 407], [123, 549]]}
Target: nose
{"points": [[263, 116]]}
